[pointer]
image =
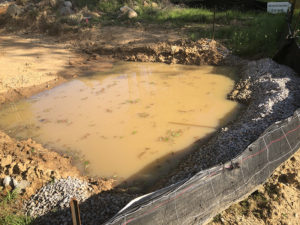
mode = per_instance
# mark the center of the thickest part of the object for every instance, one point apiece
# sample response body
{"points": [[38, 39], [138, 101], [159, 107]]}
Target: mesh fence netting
{"points": [[201, 197]]}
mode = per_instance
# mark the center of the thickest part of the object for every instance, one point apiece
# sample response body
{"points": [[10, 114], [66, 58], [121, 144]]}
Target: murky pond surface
{"points": [[118, 122]]}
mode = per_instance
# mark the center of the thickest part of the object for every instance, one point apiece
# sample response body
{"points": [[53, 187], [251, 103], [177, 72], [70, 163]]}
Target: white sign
{"points": [[278, 7]]}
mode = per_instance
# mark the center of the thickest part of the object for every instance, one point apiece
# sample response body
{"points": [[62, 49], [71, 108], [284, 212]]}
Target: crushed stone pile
{"points": [[271, 92], [57, 196], [95, 210]]}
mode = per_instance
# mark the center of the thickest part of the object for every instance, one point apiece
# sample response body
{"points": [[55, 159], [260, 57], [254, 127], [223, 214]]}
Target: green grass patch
{"points": [[10, 196], [189, 15], [248, 34], [245, 33], [217, 219], [12, 219], [10, 209], [258, 35], [109, 6]]}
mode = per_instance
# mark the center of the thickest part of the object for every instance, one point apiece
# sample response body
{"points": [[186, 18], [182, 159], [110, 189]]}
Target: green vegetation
{"points": [[10, 212], [217, 218], [12, 219], [109, 6], [86, 164], [10, 196], [249, 34], [170, 135], [245, 207]]}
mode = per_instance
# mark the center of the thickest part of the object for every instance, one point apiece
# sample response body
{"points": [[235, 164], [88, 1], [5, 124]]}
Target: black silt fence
{"points": [[198, 199]]}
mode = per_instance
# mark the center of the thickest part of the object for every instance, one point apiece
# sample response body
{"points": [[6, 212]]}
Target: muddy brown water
{"points": [[134, 120]]}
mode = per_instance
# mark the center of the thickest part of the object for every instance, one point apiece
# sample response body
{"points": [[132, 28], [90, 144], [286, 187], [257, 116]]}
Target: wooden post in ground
{"points": [[75, 212]]}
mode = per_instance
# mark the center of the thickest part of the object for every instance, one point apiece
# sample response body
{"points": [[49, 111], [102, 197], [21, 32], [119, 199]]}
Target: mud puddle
{"points": [[133, 121]]}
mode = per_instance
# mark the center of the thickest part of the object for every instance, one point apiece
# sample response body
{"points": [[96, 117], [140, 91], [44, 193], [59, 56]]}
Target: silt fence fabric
{"points": [[196, 200]]}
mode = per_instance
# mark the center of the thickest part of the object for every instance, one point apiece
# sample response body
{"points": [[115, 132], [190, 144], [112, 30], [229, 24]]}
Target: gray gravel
{"points": [[271, 93], [56, 196]]}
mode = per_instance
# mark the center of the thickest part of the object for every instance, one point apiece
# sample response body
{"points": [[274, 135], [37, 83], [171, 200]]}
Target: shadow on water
{"points": [[98, 208], [126, 68]]}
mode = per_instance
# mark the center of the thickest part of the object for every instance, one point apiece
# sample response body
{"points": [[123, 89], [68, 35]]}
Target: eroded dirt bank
{"points": [[271, 92], [275, 202]]}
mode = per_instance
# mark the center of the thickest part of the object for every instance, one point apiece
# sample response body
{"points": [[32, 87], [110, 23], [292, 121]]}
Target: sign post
{"points": [[278, 7]]}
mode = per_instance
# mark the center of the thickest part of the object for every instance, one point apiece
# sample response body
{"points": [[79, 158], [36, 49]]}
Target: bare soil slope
{"points": [[276, 202]]}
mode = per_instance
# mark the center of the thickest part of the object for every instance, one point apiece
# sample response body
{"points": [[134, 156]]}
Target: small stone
{"points": [[13, 10], [23, 184], [129, 12], [15, 183], [6, 181], [146, 4], [68, 4], [6, 161], [154, 5], [94, 15]]}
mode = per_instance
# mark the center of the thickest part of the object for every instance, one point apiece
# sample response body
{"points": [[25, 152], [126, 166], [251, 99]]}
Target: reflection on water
{"points": [[120, 121]]}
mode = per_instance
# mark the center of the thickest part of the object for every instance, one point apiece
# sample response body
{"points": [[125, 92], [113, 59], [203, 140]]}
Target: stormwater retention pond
{"points": [[133, 122], [228, 165]]}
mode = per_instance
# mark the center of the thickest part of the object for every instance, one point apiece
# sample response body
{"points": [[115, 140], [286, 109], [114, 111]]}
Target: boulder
{"points": [[68, 4], [129, 12], [13, 10]]}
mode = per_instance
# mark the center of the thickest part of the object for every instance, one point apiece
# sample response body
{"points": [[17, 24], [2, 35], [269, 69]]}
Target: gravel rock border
{"points": [[271, 93]]}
